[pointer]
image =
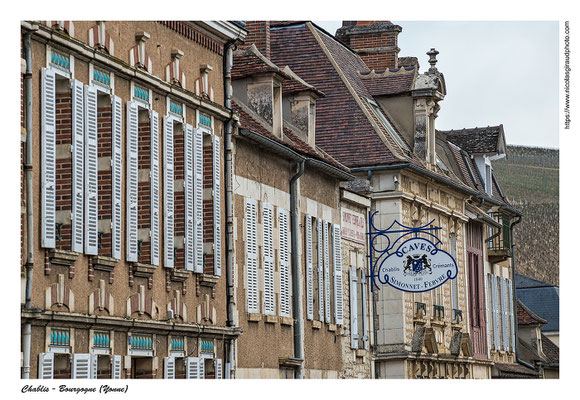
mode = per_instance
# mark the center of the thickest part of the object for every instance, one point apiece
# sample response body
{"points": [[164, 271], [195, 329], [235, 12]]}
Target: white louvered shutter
{"points": [[284, 266], [48, 164], [488, 311], [326, 273], [365, 322], [511, 315], [217, 208], [495, 310], [189, 200], [337, 259], [94, 365], [353, 308], [198, 189], [116, 367], [46, 366], [91, 172], [169, 368], [117, 184], [81, 366], [504, 315], [192, 368], [201, 368], [252, 256], [132, 179], [168, 192], [309, 277], [218, 368], [320, 271], [78, 191], [268, 258], [154, 188]]}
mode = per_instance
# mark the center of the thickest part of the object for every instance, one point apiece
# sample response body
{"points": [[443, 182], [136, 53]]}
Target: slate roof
{"points": [[478, 140], [296, 84], [527, 316], [294, 142], [542, 299], [395, 81]]}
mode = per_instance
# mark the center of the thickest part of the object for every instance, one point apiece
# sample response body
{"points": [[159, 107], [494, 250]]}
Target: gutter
{"points": [[514, 298], [296, 292], [438, 178], [26, 336], [228, 196]]}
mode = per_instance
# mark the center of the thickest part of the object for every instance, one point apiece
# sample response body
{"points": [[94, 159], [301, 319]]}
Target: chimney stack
{"points": [[374, 41], [259, 34]]}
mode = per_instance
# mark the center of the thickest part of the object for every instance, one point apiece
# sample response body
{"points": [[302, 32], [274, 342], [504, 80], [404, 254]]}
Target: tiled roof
{"points": [[293, 142], [550, 350], [527, 316], [297, 84], [249, 61], [478, 140], [342, 128], [388, 83], [515, 371]]}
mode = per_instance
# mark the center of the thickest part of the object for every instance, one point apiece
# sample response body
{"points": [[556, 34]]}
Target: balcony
{"points": [[499, 243]]}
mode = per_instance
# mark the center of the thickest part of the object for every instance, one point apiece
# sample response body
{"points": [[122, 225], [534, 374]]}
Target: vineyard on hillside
{"points": [[529, 178]]}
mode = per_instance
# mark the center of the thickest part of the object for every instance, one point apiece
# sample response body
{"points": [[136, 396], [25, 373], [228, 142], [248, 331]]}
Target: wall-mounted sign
{"points": [[417, 266], [353, 226], [402, 259]]}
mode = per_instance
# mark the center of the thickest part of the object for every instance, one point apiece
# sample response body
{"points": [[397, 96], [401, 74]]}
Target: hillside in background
{"points": [[529, 178]]}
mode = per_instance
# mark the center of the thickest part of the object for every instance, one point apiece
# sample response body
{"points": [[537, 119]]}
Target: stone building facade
{"points": [[122, 177], [292, 263]]}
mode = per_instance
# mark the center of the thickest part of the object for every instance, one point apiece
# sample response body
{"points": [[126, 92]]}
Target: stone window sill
{"points": [[179, 275], [271, 319], [143, 270], [103, 263], [254, 317], [208, 280], [316, 324], [286, 321], [332, 327], [62, 257]]}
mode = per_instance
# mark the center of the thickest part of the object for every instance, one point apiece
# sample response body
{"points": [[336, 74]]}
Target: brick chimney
{"points": [[374, 41], [259, 34]]}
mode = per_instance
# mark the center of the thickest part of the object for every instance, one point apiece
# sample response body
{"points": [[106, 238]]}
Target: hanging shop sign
{"points": [[408, 258]]}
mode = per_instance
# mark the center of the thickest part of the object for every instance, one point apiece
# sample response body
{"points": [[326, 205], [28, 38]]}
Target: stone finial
{"points": [[432, 59]]}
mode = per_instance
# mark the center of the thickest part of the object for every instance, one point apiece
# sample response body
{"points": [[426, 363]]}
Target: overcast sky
{"points": [[495, 72]]}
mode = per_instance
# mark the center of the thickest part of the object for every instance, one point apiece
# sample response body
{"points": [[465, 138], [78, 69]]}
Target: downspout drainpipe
{"points": [[228, 167], [296, 295], [514, 297], [26, 336]]}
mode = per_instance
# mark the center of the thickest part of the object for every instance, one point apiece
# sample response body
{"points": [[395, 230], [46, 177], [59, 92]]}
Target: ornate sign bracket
{"points": [[408, 258]]}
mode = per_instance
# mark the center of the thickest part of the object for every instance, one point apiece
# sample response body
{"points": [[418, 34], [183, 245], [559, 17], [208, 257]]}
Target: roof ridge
{"points": [[387, 72]]}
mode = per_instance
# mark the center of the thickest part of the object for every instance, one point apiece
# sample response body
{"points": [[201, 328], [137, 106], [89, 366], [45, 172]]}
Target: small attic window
{"points": [[379, 114], [441, 165]]}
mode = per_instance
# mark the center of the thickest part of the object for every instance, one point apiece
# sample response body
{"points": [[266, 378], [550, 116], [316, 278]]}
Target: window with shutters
{"points": [[328, 282], [320, 269], [337, 274], [309, 262], [251, 249], [173, 194], [268, 265], [148, 190], [102, 363], [211, 202], [284, 261]]}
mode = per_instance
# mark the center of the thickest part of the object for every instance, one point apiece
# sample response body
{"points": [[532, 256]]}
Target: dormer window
{"points": [[386, 124]]}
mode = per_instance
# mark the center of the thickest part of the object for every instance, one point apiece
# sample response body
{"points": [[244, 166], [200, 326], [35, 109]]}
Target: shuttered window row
{"points": [[501, 321], [85, 166], [83, 366]]}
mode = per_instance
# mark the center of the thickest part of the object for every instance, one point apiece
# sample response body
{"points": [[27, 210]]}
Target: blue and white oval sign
{"points": [[417, 266]]}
